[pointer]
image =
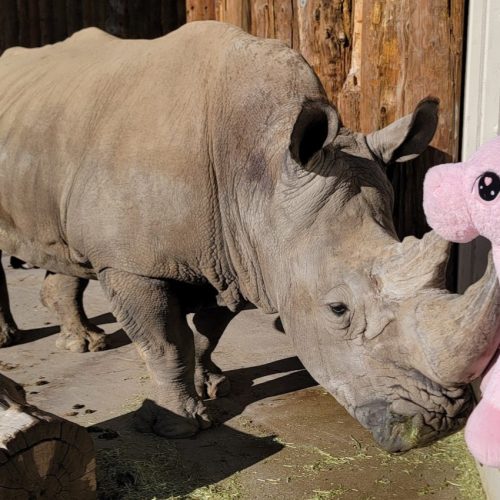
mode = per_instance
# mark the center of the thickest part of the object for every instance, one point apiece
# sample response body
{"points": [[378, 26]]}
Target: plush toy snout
{"points": [[445, 203]]}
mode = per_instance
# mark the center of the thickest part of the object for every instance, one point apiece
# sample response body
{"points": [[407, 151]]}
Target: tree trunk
{"points": [[41, 455]]}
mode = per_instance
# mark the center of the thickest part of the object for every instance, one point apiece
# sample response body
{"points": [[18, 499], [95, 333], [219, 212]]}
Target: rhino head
{"points": [[369, 316]]}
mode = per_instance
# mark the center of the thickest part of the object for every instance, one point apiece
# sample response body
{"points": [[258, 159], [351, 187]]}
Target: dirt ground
{"points": [[277, 436]]}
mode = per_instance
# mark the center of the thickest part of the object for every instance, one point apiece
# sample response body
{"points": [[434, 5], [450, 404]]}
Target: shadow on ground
{"points": [[114, 340], [26, 336], [134, 465]]}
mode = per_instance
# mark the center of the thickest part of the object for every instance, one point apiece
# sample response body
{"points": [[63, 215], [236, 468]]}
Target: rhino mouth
{"points": [[417, 417]]}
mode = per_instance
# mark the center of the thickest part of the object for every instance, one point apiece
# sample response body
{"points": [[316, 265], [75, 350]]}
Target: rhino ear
{"points": [[407, 137], [315, 127]]}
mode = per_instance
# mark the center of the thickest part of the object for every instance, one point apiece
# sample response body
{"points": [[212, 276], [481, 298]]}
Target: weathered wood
{"points": [[200, 10], [275, 19], [376, 60], [348, 100], [410, 50], [41, 455], [236, 12], [324, 39]]}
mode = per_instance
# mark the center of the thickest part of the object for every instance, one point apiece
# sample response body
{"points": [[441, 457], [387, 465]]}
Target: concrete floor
{"points": [[277, 436]]}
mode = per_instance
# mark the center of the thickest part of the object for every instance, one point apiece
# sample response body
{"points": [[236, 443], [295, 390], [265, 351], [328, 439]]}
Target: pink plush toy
{"points": [[462, 201]]}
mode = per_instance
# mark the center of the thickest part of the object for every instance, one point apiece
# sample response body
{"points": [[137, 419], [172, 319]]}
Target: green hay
{"points": [[337, 492], [451, 451], [228, 489], [163, 475]]}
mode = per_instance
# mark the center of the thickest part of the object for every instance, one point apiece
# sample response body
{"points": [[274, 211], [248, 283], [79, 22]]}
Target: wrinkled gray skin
{"points": [[205, 170]]}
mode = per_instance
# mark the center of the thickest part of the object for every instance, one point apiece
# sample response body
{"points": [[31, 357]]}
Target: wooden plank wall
{"points": [[376, 60], [31, 23]]}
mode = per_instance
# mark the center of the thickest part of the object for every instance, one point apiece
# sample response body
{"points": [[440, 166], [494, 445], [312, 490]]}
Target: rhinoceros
{"points": [[206, 170]]}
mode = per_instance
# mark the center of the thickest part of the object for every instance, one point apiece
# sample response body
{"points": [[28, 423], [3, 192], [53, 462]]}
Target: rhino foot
{"points": [[8, 335], [212, 385], [83, 339], [179, 423]]}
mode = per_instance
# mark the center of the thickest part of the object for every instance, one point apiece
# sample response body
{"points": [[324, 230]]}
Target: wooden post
{"points": [[41, 455]]}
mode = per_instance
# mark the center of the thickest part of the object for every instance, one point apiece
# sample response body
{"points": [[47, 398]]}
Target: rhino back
{"points": [[114, 152]]}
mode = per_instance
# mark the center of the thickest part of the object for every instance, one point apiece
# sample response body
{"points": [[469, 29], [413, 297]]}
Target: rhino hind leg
{"points": [[63, 295], [208, 325], [8, 327], [152, 317]]}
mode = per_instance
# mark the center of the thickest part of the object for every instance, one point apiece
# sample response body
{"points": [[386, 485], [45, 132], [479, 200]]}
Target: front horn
{"points": [[457, 335]]}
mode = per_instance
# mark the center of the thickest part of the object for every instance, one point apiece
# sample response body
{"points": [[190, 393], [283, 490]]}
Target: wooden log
{"points": [[41, 455]]}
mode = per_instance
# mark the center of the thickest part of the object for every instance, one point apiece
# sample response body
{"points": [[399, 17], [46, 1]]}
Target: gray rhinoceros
{"points": [[205, 170]]}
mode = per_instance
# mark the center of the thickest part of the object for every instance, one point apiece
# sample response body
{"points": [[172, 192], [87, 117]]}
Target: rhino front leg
{"points": [[151, 316], [208, 325], [8, 327], [63, 295]]}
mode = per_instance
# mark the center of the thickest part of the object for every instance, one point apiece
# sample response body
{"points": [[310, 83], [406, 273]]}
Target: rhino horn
{"points": [[414, 264], [457, 335]]}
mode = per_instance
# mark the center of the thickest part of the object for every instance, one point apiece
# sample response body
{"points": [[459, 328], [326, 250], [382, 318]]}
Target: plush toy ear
{"points": [[407, 137]]}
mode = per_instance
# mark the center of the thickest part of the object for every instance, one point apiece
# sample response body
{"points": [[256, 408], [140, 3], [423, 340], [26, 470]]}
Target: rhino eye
{"points": [[338, 308], [489, 186]]}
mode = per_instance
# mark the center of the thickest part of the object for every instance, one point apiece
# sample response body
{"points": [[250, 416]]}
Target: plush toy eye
{"points": [[489, 186]]}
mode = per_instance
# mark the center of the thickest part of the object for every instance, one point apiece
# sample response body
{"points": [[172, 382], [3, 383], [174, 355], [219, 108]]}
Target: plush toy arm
{"points": [[482, 432]]}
